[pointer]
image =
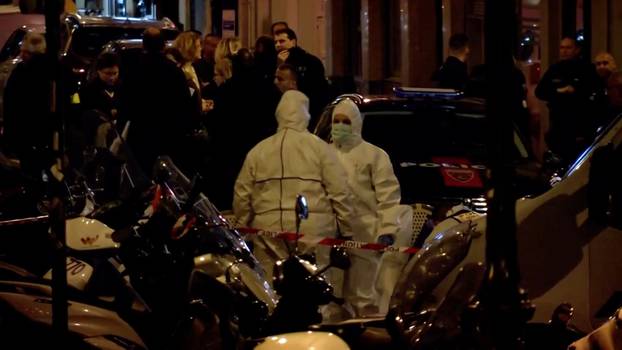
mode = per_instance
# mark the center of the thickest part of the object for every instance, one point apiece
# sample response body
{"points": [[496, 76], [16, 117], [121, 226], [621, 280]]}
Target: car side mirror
{"points": [[533, 179]]}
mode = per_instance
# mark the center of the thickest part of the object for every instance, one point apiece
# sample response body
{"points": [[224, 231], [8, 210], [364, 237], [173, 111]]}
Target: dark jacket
{"points": [[613, 98], [477, 86], [205, 70], [452, 74], [205, 73], [157, 101], [28, 124], [99, 96], [571, 116], [243, 115], [265, 66], [311, 81]]}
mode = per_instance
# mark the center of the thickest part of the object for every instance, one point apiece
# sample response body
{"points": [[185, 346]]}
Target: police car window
{"points": [[420, 135], [435, 152]]}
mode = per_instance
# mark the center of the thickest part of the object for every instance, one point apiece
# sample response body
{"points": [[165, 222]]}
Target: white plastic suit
{"points": [[377, 203], [291, 162]]}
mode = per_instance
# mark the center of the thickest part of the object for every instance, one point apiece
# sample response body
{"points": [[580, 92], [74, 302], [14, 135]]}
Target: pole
{"points": [[502, 299], [60, 316], [53, 9]]}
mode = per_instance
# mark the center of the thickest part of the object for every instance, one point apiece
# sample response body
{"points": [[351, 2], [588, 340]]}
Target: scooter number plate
{"points": [[75, 266]]}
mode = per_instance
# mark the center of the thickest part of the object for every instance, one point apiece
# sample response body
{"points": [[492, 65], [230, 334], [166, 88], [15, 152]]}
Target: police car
{"points": [[437, 140]]}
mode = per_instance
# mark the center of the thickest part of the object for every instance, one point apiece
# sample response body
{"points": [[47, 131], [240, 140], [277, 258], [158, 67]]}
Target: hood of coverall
{"points": [[351, 110], [293, 111]]}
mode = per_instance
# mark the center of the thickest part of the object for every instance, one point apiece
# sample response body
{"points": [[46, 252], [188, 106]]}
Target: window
{"points": [[88, 42], [529, 44], [393, 49]]}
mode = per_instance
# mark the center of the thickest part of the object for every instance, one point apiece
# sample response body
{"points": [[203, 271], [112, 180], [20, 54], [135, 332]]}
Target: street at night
{"points": [[311, 174]]}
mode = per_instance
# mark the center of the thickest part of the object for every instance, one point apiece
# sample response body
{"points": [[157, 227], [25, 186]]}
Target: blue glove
{"points": [[386, 239]]}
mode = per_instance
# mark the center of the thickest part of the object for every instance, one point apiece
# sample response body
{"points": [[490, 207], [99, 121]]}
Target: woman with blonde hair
{"points": [[187, 47], [223, 71], [226, 48]]}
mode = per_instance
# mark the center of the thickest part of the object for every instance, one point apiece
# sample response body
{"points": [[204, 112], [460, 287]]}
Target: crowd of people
{"points": [[581, 95], [242, 118], [211, 104]]}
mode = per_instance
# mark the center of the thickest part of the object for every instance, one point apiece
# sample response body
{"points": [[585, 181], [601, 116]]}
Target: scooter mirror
{"points": [[340, 258], [302, 212], [302, 209]]}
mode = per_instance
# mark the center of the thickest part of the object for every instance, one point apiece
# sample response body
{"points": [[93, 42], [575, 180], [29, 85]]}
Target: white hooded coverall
{"points": [[291, 162], [377, 205]]}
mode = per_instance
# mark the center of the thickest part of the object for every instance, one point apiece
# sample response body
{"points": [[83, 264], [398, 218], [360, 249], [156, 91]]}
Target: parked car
{"points": [[129, 51], [82, 39]]}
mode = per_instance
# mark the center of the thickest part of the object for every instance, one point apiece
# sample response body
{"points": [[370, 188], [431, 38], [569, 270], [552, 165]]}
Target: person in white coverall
{"points": [[291, 162], [377, 203]]}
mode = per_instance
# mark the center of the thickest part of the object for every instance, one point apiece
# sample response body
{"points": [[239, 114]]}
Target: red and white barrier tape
{"points": [[333, 242]]}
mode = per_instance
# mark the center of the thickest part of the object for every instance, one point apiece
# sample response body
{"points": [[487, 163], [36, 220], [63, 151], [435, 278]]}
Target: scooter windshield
{"points": [[423, 273], [179, 190], [213, 232]]}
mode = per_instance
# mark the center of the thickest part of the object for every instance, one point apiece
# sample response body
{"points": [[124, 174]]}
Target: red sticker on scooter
{"points": [[458, 173]]}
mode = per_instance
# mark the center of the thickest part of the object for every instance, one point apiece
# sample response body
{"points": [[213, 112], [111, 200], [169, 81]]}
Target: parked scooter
{"points": [[26, 321], [88, 237], [170, 320], [301, 285], [415, 321], [96, 300], [194, 282], [186, 243]]}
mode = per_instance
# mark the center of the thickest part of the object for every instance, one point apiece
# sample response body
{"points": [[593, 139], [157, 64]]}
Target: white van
{"points": [[564, 254]]}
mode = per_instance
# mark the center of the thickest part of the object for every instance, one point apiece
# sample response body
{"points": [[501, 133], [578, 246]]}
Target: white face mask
{"points": [[341, 132]]}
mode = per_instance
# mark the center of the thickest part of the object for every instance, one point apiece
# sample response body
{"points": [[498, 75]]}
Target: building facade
{"points": [[373, 45], [376, 44]]}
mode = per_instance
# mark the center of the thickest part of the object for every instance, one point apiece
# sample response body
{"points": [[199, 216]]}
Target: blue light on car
{"points": [[410, 92]]}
